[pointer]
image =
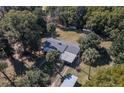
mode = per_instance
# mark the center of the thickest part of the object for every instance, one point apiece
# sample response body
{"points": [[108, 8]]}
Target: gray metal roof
{"points": [[69, 81], [60, 46], [68, 50], [73, 49], [64, 46]]}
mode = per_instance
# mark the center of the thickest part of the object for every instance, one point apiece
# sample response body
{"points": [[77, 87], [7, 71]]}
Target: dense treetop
{"points": [[110, 77]]}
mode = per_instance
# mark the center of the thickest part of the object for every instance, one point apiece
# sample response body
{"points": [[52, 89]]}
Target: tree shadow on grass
{"points": [[105, 57]]}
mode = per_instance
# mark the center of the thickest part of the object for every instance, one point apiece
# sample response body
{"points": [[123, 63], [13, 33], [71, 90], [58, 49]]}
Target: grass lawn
{"points": [[106, 44], [71, 36], [83, 75]]}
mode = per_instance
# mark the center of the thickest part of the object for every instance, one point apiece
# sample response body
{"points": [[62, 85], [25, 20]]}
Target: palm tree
{"points": [[3, 66], [52, 57], [90, 57]]}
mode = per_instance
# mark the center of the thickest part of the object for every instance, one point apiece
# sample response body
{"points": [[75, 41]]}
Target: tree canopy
{"points": [[22, 26], [110, 77], [90, 41], [91, 57]]}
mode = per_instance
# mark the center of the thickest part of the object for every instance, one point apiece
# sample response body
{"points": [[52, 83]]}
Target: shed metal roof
{"points": [[69, 81]]}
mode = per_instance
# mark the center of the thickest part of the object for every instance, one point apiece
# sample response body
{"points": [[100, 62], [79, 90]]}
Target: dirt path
{"points": [[57, 81]]}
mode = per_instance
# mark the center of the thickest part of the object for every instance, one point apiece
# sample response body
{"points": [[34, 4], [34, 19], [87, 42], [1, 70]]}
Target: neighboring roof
{"points": [[69, 81], [67, 56]]}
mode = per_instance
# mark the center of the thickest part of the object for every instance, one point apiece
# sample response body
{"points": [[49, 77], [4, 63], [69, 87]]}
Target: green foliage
{"points": [[91, 57], [20, 81], [67, 15], [118, 44], [36, 78], [110, 77], [91, 40], [96, 21], [114, 33], [2, 46], [104, 20], [23, 26], [72, 16], [80, 17], [5, 48], [3, 65], [32, 78], [19, 8], [51, 29], [52, 56], [120, 58]]}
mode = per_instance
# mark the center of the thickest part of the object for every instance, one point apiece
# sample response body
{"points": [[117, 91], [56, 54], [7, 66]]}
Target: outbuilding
{"points": [[69, 81]]}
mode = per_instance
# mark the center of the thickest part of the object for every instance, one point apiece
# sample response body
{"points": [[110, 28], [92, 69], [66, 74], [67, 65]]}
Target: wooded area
{"points": [[22, 30]]}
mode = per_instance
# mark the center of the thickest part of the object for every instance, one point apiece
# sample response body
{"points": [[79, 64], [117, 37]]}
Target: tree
{"points": [[52, 57], [5, 48], [114, 33], [120, 58], [109, 77], [37, 78], [91, 58], [97, 22], [118, 44], [19, 8], [40, 19], [80, 17], [24, 25], [51, 29], [102, 20], [67, 16], [91, 40], [2, 46], [3, 66]]}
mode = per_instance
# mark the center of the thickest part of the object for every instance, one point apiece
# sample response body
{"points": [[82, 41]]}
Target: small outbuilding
{"points": [[69, 81]]}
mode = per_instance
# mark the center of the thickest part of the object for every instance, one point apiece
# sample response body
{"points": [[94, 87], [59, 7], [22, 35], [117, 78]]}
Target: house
{"points": [[69, 81], [69, 52]]}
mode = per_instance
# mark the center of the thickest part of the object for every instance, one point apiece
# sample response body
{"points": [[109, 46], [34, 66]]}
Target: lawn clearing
{"points": [[71, 36], [106, 44], [83, 75]]}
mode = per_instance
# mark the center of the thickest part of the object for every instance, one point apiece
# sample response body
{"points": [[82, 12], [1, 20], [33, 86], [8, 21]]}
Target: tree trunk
{"points": [[89, 76], [11, 82], [59, 74], [58, 71]]}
